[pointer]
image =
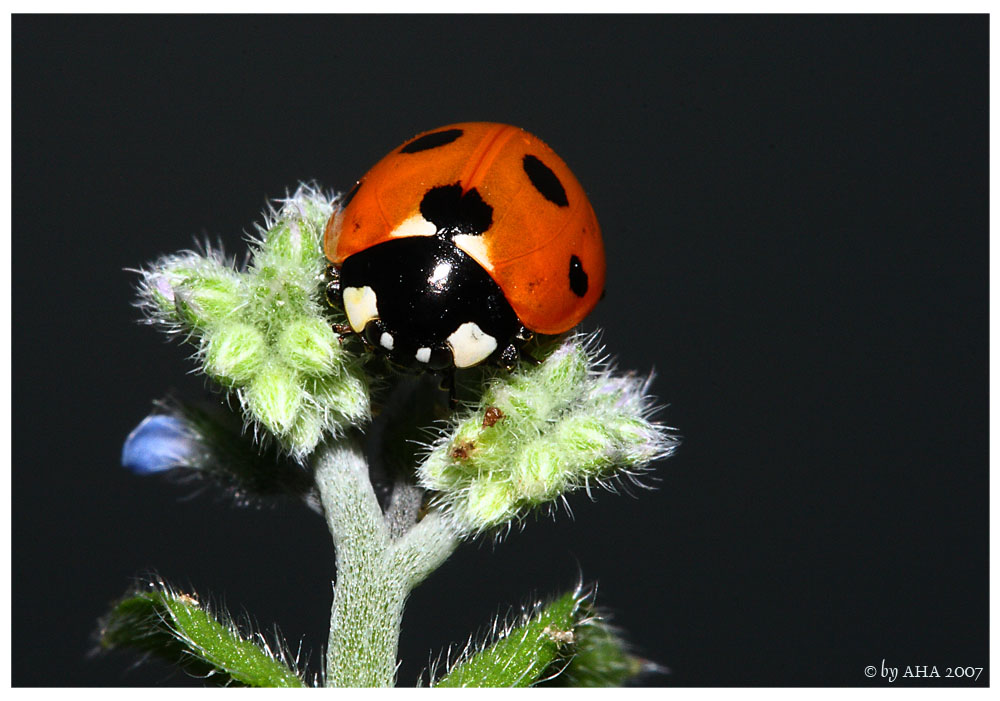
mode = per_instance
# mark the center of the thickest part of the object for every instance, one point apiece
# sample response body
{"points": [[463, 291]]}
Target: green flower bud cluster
{"points": [[265, 333], [540, 432]]}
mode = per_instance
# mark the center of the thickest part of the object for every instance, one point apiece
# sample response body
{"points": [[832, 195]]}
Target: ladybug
{"points": [[461, 244]]}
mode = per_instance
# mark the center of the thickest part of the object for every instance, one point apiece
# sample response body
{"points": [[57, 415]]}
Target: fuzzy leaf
{"points": [[177, 627], [525, 654]]}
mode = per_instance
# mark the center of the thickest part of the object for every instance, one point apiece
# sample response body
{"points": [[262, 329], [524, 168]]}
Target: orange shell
{"points": [[532, 244]]}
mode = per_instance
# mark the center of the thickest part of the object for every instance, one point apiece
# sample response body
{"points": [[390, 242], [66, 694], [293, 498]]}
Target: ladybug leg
{"points": [[333, 285], [448, 383], [333, 298], [528, 357], [523, 337], [515, 351], [372, 334], [509, 357]]}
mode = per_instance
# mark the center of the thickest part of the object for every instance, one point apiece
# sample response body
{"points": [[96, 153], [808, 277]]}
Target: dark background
{"points": [[795, 214]]}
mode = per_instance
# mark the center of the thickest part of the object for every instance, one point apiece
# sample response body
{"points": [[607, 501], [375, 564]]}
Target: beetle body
{"points": [[462, 242]]}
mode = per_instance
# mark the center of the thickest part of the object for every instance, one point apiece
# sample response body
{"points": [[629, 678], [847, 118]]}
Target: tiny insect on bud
{"points": [[560, 637], [462, 449], [491, 417]]}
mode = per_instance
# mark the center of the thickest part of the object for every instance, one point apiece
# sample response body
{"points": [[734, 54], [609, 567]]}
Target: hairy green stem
{"points": [[375, 572]]}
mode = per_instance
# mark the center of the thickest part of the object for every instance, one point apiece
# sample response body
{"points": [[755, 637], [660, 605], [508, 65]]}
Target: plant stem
{"points": [[375, 572]]}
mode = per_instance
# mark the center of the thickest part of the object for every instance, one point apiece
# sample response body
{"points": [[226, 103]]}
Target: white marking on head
{"points": [[471, 345], [414, 226], [386, 340], [423, 354], [361, 306], [475, 247]]}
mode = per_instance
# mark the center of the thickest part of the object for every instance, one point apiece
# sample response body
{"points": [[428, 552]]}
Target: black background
{"points": [[795, 214]]}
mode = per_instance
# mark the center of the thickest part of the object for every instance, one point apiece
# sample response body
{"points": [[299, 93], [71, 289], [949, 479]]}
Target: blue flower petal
{"points": [[161, 442]]}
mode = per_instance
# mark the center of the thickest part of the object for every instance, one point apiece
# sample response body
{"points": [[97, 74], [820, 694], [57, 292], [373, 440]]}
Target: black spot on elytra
{"points": [[429, 141], [545, 181], [578, 281], [350, 195], [449, 210]]}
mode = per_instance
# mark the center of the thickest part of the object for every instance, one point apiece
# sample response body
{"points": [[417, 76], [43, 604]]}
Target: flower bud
{"points": [[205, 291], [206, 441], [213, 297], [161, 442], [274, 397], [309, 345], [284, 242], [546, 390], [306, 432], [489, 502], [234, 352], [345, 395], [539, 472], [158, 292], [438, 474], [588, 440]]}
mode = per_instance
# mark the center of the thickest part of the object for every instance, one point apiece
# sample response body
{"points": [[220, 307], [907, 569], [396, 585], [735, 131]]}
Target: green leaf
{"points": [[175, 626], [526, 653]]}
